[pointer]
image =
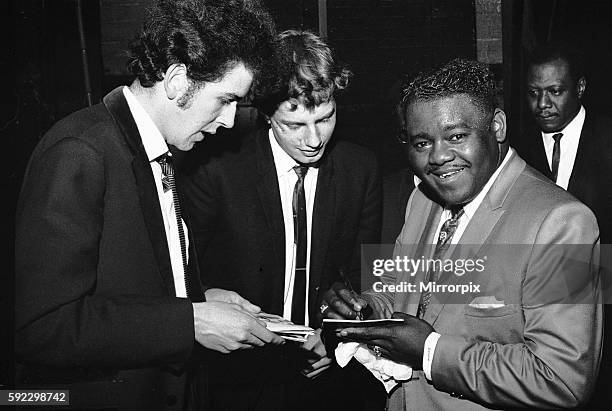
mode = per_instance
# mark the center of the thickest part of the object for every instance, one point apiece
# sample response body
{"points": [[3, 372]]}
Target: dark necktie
{"points": [[300, 238], [168, 183], [444, 239], [556, 156]]}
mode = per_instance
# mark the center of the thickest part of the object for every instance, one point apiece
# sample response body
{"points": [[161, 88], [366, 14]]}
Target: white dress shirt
{"points": [[287, 178], [568, 145], [468, 212], [155, 146]]}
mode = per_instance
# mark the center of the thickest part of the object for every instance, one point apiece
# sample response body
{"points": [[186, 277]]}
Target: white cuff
{"points": [[428, 352]]}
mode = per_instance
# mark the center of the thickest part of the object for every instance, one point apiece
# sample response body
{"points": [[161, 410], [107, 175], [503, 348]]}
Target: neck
{"points": [[149, 99]]}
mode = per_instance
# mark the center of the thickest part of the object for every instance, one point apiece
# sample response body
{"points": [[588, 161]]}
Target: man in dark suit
{"points": [[529, 335], [277, 220], [109, 302], [572, 146], [565, 141]]}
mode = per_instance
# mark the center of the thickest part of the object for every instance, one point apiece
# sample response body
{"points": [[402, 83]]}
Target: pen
{"points": [[349, 286]]}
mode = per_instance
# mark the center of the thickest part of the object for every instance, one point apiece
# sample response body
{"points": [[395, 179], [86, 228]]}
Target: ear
{"points": [[581, 86], [498, 125], [175, 81]]}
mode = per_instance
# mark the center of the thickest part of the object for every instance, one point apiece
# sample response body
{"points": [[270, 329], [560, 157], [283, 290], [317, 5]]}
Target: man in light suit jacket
{"points": [[109, 303], [529, 335], [245, 224]]}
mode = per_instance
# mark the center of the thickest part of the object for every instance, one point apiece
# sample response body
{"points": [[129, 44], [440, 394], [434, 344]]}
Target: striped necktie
{"points": [[444, 240], [168, 182]]}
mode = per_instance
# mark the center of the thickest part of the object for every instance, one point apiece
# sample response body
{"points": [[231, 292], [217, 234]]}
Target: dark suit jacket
{"points": [[96, 310], [238, 225], [396, 189], [591, 178]]}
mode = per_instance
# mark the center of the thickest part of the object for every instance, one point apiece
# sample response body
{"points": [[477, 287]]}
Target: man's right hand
{"points": [[226, 327], [340, 303]]}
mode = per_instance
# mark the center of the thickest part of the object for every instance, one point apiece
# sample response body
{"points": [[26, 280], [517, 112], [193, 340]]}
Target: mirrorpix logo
{"points": [[432, 267]]}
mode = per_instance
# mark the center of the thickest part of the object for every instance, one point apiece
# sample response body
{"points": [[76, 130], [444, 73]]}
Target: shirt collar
{"points": [[152, 139], [284, 162], [471, 207], [573, 128]]}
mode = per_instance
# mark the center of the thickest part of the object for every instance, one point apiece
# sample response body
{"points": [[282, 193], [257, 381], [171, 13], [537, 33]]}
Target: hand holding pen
{"points": [[342, 302]]}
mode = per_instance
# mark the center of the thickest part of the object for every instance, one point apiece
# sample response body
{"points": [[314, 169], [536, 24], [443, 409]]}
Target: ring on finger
{"points": [[323, 308]]}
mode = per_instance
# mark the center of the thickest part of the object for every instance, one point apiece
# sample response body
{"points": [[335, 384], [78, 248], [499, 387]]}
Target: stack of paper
{"points": [[285, 328]]}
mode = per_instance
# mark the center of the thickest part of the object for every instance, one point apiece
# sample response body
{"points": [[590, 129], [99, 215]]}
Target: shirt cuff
{"points": [[428, 352]]}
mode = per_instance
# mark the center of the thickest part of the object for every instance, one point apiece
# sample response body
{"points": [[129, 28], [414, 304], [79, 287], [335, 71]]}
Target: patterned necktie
{"points": [[556, 156], [300, 238], [444, 240], [168, 182]]}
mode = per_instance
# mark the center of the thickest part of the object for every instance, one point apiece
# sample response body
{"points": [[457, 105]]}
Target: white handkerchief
{"points": [[390, 373]]}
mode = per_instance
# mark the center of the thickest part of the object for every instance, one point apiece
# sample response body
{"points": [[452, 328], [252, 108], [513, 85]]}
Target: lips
{"points": [[310, 153], [447, 174], [546, 117]]}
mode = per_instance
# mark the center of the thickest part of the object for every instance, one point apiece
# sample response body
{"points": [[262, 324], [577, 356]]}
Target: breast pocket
{"points": [[499, 324]]}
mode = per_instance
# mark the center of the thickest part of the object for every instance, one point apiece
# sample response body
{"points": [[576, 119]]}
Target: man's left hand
{"points": [[401, 342], [319, 361]]}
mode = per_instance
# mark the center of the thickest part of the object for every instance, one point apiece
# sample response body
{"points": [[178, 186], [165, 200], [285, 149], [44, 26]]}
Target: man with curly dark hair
{"points": [[277, 219], [109, 302], [527, 331]]}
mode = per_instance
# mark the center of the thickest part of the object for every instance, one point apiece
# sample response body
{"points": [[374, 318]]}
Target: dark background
{"points": [[381, 40]]}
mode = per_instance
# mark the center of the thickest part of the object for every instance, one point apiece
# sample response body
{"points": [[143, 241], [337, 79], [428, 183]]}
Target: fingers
{"points": [[263, 336], [317, 368], [363, 334]]}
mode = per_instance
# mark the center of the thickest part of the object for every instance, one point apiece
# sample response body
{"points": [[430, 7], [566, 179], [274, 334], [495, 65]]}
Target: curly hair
{"points": [[306, 71], [458, 76], [209, 37]]}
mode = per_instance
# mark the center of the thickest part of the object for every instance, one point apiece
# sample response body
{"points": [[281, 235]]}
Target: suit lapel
{"points": [[424, 248], [270, 200], [480, 226], [147, 192]]}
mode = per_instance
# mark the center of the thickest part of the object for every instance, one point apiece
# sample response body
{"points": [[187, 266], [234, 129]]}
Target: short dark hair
{"points": [[555, 50], [210, 37], [458, 76], [306, 70]]}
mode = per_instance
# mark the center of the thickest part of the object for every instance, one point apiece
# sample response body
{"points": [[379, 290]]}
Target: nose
{"points": [[543, 100], [226, 119], [312, 137], [440, 153]]}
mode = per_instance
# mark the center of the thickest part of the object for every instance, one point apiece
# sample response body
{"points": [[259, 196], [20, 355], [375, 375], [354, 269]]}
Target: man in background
{"points": [[277, 220], [571, 145], [109, 302], [565, 141]]}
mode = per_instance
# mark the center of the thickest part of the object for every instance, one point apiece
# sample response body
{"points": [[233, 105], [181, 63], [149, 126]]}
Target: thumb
{"points": [[401, 315]]}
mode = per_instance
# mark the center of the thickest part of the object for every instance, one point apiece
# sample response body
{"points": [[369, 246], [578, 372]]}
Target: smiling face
{"points": [[553, 96], [204, 108], [453, 146], [301, 132]]}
